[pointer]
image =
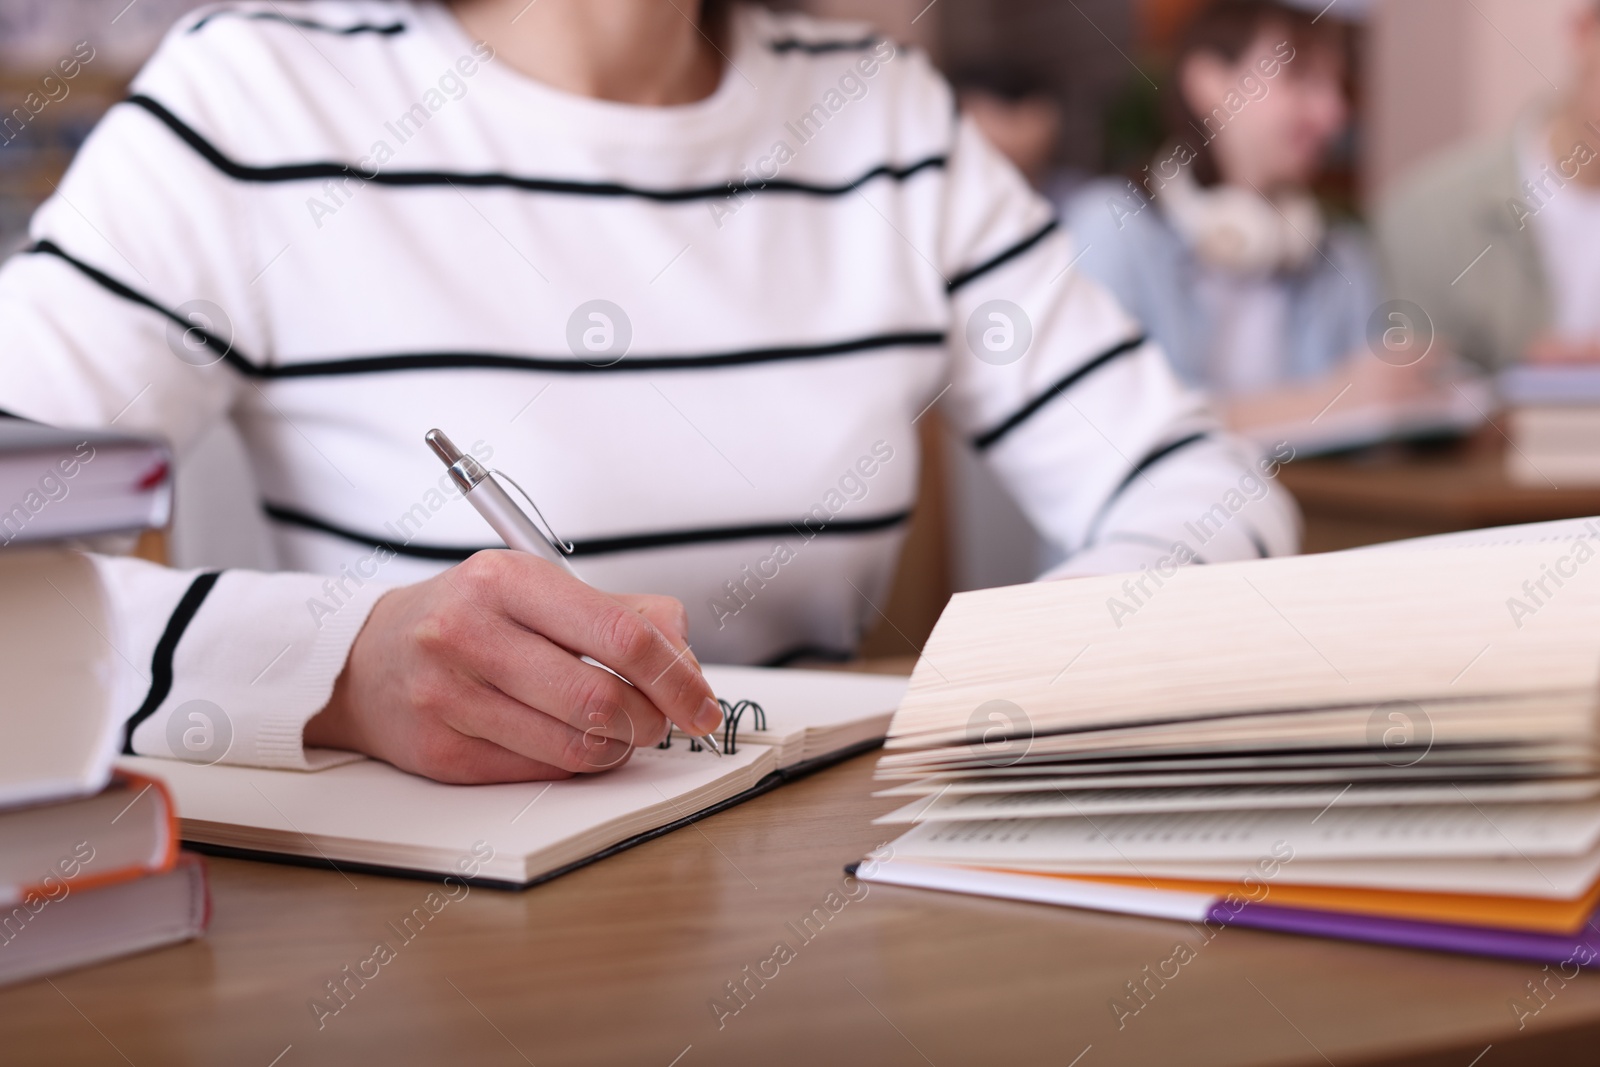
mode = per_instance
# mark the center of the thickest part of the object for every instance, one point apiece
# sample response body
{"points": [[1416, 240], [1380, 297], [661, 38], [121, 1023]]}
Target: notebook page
{"points": [[370, 812], [1242, 757], [946, 804], [1441, 773], [1336, 833], [1556, 532], [1370, 727], [1304, 631]]}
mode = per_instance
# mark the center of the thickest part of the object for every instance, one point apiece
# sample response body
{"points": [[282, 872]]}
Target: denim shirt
{"points": [[1126, 243]]}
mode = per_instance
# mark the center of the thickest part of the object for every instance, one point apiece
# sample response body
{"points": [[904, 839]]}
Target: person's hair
{"points": [[714, 19], [1225, 29], [1007, 81]]}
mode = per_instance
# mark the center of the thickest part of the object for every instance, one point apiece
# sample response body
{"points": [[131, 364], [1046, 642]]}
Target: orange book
{"points": [[1499, 912], [50, 851]]}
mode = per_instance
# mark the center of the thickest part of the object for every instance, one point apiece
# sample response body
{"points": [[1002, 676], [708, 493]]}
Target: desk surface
{"points": [[1400, 492], [617, 963]]}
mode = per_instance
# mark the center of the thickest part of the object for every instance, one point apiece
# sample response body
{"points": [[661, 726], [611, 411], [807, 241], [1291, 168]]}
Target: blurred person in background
{"points": [[1499, 240], [1224, 254], [1018, 115]]}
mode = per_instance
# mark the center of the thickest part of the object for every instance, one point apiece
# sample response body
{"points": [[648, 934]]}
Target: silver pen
{"points": [[485, 493]]}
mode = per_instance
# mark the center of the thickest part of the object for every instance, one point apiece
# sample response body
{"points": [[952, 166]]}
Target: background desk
{"points": [[616, 964], [1380, 495], [1401, 492]]}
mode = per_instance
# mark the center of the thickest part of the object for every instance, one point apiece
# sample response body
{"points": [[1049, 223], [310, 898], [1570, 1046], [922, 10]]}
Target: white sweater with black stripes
{"points": [[700, 336]]}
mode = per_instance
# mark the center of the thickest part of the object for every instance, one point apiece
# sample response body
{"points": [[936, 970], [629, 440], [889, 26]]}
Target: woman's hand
{"points": [[1375, 383], [474, 676], [1359, 384], [1551, 349]]}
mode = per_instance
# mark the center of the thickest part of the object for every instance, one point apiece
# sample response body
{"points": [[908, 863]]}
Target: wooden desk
{"points": [[616, 964], [1407, 492]]}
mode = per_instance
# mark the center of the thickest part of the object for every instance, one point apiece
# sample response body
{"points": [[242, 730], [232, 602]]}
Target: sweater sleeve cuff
{"points": [[306, 686], [234, 665]]}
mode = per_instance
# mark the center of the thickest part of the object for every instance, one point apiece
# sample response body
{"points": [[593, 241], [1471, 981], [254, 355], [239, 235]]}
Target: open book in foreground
{"points": [[366, 815], [1395, 745]]}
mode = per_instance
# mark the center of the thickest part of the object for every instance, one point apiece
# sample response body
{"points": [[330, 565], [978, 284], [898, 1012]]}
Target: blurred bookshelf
{"points": [[44, 114]]}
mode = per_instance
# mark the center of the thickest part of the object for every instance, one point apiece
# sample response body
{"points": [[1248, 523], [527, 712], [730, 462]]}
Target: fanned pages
{"points": [[1373, 631], [945, 804], [1365, 726], [1529, 831]]}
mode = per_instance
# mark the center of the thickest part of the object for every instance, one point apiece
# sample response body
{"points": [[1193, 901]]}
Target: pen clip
{"points": [[566, 548]]}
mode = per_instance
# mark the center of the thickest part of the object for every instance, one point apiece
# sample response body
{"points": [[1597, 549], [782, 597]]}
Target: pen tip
{"points": [[442, 446]]}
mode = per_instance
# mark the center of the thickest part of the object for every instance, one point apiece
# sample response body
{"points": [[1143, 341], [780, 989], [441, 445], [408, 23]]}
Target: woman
{"points": [[690, 275], [1222, 250]]}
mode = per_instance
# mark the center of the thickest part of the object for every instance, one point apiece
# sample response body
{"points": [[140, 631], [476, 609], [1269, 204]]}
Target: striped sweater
{"points": [[700, 336]]}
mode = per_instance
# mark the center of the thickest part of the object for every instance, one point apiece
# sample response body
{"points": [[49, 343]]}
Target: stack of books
{"points": [[1388, 745], [89, 860], [1553, 421]]}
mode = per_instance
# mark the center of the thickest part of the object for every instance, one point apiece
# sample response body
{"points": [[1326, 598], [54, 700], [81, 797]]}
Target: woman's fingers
{"points": [[533, 735], [477, 761], [666, 612], [550, 680], [540, 597]]}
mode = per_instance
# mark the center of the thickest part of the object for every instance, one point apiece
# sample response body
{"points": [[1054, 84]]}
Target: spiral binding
{"points": [[732, 715]]}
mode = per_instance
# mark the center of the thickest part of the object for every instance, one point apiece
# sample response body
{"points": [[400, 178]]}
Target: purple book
{"points": [[1581, 948]]}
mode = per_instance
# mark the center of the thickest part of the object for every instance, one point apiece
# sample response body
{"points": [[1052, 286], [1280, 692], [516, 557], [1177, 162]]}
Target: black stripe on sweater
{"points": [[1256, 542], [496, 361], [442, 553], [1154, 456], [808, 652], [603, 546], [291, 172], [1157, 543], [300, 23], [1003, 257], [166, 649], [933, 339], [819, 48], [222, 347], [990, 437]]}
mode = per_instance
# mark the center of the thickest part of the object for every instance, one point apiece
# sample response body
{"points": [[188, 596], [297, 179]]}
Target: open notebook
{"points": [[366, 815]]}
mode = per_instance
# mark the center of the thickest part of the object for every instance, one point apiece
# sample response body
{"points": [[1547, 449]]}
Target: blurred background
{"points": [[1073, 88], [1430, 72]]}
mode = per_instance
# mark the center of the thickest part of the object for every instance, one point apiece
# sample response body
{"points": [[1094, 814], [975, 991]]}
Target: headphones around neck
{"points": [[1241, 230]]}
